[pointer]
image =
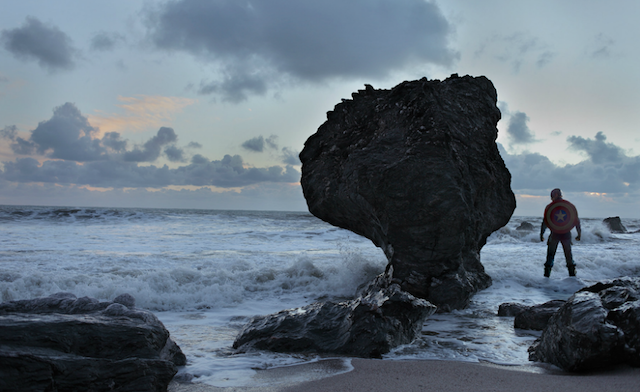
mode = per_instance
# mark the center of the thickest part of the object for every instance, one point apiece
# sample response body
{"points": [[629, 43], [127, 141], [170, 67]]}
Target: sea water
{"points": [[205, 273]]}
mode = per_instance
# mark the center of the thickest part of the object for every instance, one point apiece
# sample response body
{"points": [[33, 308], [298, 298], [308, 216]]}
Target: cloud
{"points": [[9, 132], [517, 49], [601, 47], [598, 150], [290, 156], [287, 155], [67, 135], [104, 41], [229, 172], [46, 44], [518, 130], [258, 44], [150, 151], [608, 170], [81, 158], [256, 144]]}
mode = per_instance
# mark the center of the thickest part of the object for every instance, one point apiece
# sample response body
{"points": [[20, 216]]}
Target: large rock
{"points": [[64, 343], [599, 326], [417, 171], [367, 326], [615, 224]]}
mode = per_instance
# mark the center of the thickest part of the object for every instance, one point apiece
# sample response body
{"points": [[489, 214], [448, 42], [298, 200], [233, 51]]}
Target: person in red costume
{"points": [[560, 216]]}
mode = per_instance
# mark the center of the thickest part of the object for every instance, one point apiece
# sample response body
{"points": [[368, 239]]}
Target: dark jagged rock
{"points": [[368, 326], [417, 171], [526, 226], [597, 327], [64, 343], [615, 225]]}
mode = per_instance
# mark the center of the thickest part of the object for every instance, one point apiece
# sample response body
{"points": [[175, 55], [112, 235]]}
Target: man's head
{"points": [[556, 194]]}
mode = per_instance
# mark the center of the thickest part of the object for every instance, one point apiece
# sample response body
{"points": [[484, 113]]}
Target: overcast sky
{"points": [[207, 103]]}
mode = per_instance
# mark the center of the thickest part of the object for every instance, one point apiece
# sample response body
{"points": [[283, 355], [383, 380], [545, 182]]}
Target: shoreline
{"points": [[372, 375]]}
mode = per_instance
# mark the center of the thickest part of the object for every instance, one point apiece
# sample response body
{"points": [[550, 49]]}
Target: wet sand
{"points": [[370, 375]]}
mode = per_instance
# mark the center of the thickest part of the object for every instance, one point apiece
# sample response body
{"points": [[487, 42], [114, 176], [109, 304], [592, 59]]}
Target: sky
{"points": [[207, 103]]}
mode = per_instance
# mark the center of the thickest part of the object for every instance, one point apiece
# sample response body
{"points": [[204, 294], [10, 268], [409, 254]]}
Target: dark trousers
{"points": [[552, 246]]}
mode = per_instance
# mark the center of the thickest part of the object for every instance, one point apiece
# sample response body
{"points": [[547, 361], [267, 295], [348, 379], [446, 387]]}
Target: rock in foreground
{"points": [[417, 171], [64, 343], [368, 326], [597, 327]]}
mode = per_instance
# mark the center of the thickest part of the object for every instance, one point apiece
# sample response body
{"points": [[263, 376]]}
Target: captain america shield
{"points": [[561, 217]]}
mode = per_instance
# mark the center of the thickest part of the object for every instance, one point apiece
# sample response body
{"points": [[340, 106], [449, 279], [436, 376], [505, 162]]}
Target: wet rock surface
{"points": [[64, 343], [417, 171], [615, 224], [599, 326], [534, 317], [367, 326]]}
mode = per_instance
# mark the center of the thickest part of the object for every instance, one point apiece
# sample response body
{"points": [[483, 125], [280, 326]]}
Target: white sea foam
{"points": [[205, 273]]}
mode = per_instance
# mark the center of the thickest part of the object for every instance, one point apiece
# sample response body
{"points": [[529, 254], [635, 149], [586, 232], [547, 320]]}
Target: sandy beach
{"points": [[368, 375]]}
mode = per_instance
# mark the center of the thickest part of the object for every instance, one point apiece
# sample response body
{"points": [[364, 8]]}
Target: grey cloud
{"points": [[272, 142], [150, 151], [259, 143], [48, 45], [236, 86], [104, 41], [518, 130], [194, 145], [105, 162], [255, 144], [67, 135], [598, 150], [255, 44], [517, 49], [601, 47], [9, 132], [112, 140], [618, 174], [174, 154], [290, 156], [228, 172]]}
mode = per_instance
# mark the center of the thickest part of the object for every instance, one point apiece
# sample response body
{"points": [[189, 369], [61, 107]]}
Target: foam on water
{"points": [[206, 273]]}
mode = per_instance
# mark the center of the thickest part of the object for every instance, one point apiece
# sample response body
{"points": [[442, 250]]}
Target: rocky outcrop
{"points": [[417, 171], [599, 326], [615, 224], [64, 343], [535, 317], [367, 326], [525, 226]]}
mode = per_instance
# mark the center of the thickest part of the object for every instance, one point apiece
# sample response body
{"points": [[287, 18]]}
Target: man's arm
{"points": [[543, 227], [579, 230]]}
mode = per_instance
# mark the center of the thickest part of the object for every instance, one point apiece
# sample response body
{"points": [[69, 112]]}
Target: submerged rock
{"points": [[597, 327], [525, 226], [367, 326], [535, 317], [615, 224], [64, 343], [417, 171]]}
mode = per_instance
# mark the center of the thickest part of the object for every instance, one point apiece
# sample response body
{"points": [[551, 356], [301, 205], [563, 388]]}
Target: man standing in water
{"points": [[560, 217]]}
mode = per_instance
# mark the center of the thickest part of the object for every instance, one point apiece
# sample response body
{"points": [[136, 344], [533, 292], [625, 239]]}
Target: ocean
{"points": [[205, 273]]}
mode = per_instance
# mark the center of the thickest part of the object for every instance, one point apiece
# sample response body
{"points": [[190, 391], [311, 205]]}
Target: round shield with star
{"points": [[561, 217]]}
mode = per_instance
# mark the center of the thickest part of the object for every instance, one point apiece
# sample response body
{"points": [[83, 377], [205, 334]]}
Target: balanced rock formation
{"points": [[417, 171], [598, 326], [367, 326], [64, 343]]}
